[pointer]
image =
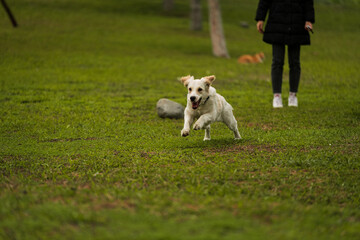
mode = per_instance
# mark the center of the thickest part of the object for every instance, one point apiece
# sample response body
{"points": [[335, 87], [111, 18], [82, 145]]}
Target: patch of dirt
{"points": [[147, 155], [245, 148], [263, 126], [114, 205], [32, 101]]}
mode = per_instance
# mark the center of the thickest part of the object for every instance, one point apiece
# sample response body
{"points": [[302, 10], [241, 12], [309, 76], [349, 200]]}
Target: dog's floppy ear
{"points": [[209, 79], [185, 80]]}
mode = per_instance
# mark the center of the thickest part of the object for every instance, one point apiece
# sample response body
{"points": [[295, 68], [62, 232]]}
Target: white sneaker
{"points": [[292, 101], [277, 101]]}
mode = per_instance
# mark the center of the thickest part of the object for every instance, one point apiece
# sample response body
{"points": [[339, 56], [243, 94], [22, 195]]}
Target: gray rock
{"points": [[169, 109]]}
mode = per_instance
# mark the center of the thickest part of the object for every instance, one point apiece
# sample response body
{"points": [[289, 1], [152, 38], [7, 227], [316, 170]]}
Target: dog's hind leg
{"points": [[236, 134], [207, 133], [231, 122]]}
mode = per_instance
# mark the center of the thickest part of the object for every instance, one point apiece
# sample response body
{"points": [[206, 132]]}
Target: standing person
{"points": [[288, 23]]}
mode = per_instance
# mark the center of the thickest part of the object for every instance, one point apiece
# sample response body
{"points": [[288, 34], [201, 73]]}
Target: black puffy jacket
{"points": [[286, 20]]}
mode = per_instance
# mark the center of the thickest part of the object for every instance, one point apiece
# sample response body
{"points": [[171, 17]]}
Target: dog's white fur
{"points": [[207, 106]]}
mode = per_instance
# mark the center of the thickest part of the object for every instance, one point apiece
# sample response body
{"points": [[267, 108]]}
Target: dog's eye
{"points": [[200, 89], [190, 89]]}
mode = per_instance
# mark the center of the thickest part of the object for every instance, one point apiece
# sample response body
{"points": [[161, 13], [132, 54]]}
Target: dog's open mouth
{"points": [[195, 105]]}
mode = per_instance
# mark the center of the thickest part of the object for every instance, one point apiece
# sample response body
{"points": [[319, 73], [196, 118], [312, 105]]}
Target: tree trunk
{"points": [[168, 5], [216, 30], [195, 15]]}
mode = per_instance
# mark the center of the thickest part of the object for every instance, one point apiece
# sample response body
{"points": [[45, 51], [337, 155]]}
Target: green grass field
{"points": [[83, 154]]}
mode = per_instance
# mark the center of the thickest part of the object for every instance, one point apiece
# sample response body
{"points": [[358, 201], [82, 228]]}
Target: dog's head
{"points": [[198, 89]]}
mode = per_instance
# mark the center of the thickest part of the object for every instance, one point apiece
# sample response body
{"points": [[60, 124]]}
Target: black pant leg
{"points": [[294, 65], [277, 67]]}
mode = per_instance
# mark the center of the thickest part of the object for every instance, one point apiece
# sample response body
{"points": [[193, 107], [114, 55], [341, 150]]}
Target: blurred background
{"points": [[84, 155]]}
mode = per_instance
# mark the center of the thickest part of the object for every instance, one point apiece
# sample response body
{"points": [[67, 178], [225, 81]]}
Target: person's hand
{"points": [[260, 26], [308, 24]]}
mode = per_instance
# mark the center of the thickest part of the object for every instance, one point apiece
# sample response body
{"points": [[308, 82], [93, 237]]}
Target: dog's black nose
{"points": [[192, 98]]}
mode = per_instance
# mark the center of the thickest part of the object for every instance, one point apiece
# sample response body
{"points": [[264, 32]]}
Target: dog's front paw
{"points": [[197, 126], [185, 132]]}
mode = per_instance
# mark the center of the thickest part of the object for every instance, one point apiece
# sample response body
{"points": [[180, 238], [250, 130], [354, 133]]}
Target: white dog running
{"points": [[205, 104]]}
